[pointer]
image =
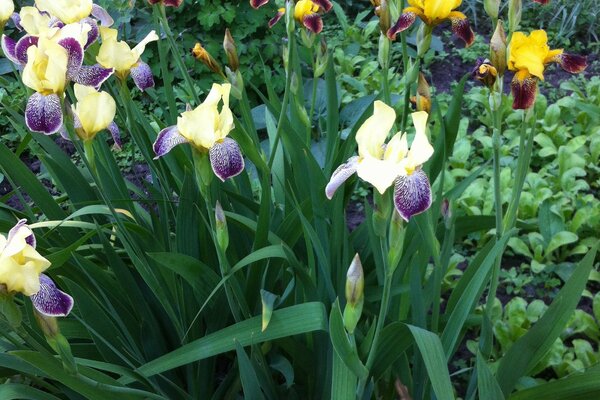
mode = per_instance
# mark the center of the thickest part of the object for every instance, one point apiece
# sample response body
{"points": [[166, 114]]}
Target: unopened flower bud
{"points": [[498, 49], [355, 284], [221, 227], [396, 239], [422, 101], [383, 11], [204, 56], [47, 324], [381, 213], [231, 51], [383, 55], [290, 22], [492, 8], [446, 213], [515, 9], [485, 72], [237, 83], [423, 40]]}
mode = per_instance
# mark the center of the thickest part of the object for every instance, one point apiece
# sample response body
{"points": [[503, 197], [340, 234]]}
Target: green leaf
{"points": [[302, 318], [15, 391], [526, 352], [248, 376], [343, 381], [341, 343], [486, 382], [561, 239], [584, 386]]}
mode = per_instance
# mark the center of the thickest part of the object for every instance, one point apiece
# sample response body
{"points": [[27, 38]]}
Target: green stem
{"points": [[286, 98], [166, 73], [313, 97], [176, 53], [88, 146]]}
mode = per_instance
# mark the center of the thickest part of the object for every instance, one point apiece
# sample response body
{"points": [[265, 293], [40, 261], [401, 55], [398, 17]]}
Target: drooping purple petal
{"points": [[226, 159], [324, 5], [572, 63], [524, 90], [166, 140], [258, 3], [30, 240], [142, 76], [75, 53], [21, 47], [92, 75], [93, 33], [102, 15], [462, 29], [277, 17], [404, 22], [113, 128], [341, 175], [8, 48], [313, 23], [43, 113], [412, 194], [50, 301]]}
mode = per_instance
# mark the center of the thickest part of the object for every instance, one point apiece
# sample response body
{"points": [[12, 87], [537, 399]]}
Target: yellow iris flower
{"points": [[7, 7], [20, 264], [46, 68], [433, 12], [68, 11], [304, 8], [95, 111], [206, 125], [531, 53], [117, 54]]}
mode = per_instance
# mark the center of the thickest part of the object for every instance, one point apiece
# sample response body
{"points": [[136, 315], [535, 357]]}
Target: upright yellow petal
{"points": [[68, 11], [420, 149], [373, 132], [46, 68], [115, 54], [141, 46], [439, 10], [397, 148], [7, 7], [33, 21], [95, 110], [529, 52], [379, 173]]}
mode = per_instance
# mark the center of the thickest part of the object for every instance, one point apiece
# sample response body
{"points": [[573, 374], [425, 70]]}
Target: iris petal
{"points": [[226, 159], [142, 76], [341, 175], [166, 140], [93, 75], [50, 301], [43, 113], [8, 48], [412, 194]]}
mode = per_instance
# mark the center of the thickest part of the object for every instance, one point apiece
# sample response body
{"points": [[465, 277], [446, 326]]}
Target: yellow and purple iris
{"points": [[394, 163], [124, 60], [528, 57], [94, 112], [306, 12], [21, 268], [206, 128], [432, 13]]}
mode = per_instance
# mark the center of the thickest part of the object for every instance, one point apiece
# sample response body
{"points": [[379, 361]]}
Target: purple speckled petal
{"points": [[93, 75], [226, 159], [8, 48], [55, 23], [166, 140], [22, 45], [412, 194], [113, 128], [142, 76], [16, 19], [102, 15], [50, 301], [341, 175], [93, 33], [75, 52], [30, 240], [43, 113]]}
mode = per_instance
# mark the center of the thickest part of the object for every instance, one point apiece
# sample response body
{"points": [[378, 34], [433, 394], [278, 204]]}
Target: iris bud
{"points": [[498, 49], [515, 9], [355, 284], [231, 51], [221, 227], [492, 7]]}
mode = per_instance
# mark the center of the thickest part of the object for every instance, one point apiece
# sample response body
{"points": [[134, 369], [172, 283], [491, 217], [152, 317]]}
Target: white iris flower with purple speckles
{"points": [[394, 163], [206, 128]]}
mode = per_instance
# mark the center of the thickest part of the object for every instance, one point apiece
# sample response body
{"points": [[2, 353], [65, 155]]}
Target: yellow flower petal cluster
{"points": [[20, 264], [206, 125], [434, 12], [531, 53], [46, 68], [117, 54], [94, 110], [68, 11], [7, 7]]}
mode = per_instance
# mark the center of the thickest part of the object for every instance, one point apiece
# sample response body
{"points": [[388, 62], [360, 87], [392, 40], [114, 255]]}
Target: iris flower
{"points": [[528, 57], [394, 163], [49, 62], [206, 129], [125, 60], [21, 268], [432, 13], [94, 112], [306, 12]]}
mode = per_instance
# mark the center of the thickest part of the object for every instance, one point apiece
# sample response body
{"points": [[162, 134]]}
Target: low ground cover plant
{"points": [[298, 199]]}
